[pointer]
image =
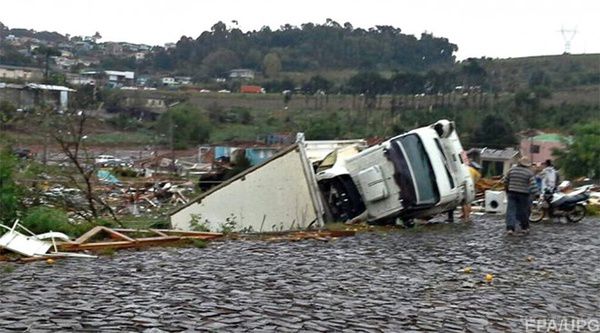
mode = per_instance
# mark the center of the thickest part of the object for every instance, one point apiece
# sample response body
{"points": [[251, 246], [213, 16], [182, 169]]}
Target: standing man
{"points": [[548, 178], [519, 184]]}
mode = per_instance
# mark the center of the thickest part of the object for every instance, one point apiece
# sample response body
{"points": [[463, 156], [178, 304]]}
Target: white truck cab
{"points": [[419, 173]]}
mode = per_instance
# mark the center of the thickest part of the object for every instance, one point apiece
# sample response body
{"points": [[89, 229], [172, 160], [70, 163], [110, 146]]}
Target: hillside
{"points": [[341, 82], [557, 71]]}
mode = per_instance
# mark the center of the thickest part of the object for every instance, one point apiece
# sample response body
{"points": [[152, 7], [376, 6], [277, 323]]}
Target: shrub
{"points": [[9, 191], [44, 219]]}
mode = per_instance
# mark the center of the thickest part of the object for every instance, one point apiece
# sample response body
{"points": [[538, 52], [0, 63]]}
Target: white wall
{"points": [[276, 196]]}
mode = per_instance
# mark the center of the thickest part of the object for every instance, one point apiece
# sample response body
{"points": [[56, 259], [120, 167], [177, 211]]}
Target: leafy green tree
{"points": [[473, 72], [85, 97], [220, 61], [9, 191], [8, 112], [46, 52], [317, 83], [185, 125], [407, 83], [494, 132], [272, 65], [581, 157], [315, 46], [323, 128], [368, 83]]}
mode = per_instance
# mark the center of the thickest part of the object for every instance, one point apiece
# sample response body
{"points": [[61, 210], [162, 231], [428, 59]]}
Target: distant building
{"points": [[183, 80], [20, 73], [494, 162], [120, 79], [113, 79], [111, 48], [140, 56], [64, 62], [80, 80], [241, 74], [539, 148], [33, 94], [176, 81], [168, 81]]}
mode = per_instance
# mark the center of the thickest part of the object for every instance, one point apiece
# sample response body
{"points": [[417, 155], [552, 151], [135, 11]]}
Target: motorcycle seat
{"points": [[569, 200]]}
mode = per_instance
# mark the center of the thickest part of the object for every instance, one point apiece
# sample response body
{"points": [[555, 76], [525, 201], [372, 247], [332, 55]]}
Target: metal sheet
{"points": [[19, 243]]}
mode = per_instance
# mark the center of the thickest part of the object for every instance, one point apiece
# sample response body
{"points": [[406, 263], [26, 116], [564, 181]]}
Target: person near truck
{"points": [[520, 185], [474, 171]]}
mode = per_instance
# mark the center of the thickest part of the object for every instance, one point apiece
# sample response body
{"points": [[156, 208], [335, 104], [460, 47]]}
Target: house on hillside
{"points": [[539, 148], [113, 79], [111, 48], [20, 73]]}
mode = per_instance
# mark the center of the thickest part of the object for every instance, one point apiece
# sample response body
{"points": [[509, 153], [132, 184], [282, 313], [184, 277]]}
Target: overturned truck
{"points": [[413, 175]]}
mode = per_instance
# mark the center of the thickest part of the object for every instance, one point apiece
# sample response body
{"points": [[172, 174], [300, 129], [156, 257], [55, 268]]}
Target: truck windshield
{"points": [[413, 171]]}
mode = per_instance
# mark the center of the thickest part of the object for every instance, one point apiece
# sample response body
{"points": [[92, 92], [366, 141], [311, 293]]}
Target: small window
{"points": [[535, 149]]}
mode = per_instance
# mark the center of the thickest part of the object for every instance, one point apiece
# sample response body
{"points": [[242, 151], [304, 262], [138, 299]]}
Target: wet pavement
{"points": [[409, 280]]}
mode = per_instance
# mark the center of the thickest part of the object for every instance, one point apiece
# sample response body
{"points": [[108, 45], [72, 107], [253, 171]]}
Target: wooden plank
{"points": [[118, 235], [182, 232], [154, 241], [158, 232], [91, 233]]}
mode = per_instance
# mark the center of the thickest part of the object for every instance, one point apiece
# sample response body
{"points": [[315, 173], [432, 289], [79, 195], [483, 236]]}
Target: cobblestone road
{"points": [[410, 280]]}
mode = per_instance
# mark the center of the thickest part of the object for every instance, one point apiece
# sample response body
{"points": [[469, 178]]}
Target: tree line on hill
{"points": [[308, 47]]}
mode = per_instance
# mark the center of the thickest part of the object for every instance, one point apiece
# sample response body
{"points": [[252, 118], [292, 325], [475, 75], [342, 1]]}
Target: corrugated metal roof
{"points": [[48, 87], [498, 154]]}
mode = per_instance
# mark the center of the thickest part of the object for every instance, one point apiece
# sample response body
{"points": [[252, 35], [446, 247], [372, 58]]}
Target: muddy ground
{"points": [[409, 280]]}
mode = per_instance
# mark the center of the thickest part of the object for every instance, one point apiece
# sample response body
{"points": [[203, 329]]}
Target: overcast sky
{"points": [[492, 28]]}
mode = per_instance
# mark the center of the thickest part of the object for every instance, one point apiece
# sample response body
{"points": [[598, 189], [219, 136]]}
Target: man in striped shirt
{"points": [[519, 184]]}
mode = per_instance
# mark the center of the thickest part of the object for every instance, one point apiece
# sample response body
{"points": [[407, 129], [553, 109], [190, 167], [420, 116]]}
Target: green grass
{"points": [[124, 138], [593, 210], [199, 243], [155, 220]]}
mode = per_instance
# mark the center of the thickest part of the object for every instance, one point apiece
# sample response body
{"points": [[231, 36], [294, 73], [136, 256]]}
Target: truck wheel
{"points": [[577, 214], [408, 223]]}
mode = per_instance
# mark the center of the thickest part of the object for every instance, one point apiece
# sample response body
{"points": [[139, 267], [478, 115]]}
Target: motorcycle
{"points": [[570, 205]]}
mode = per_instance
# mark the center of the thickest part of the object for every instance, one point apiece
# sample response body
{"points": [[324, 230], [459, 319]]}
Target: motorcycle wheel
{"points": [[537, 213], [577, 214]]}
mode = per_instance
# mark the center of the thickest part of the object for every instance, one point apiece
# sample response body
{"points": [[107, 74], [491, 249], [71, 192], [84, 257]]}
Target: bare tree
{"points": [[68, 131]]}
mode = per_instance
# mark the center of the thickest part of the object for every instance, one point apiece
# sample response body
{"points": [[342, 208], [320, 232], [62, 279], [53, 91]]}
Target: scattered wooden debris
{"points": [[99, 238]]}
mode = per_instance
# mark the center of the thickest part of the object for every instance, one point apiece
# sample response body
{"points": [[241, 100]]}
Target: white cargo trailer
{"points": [[280, 194]]}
